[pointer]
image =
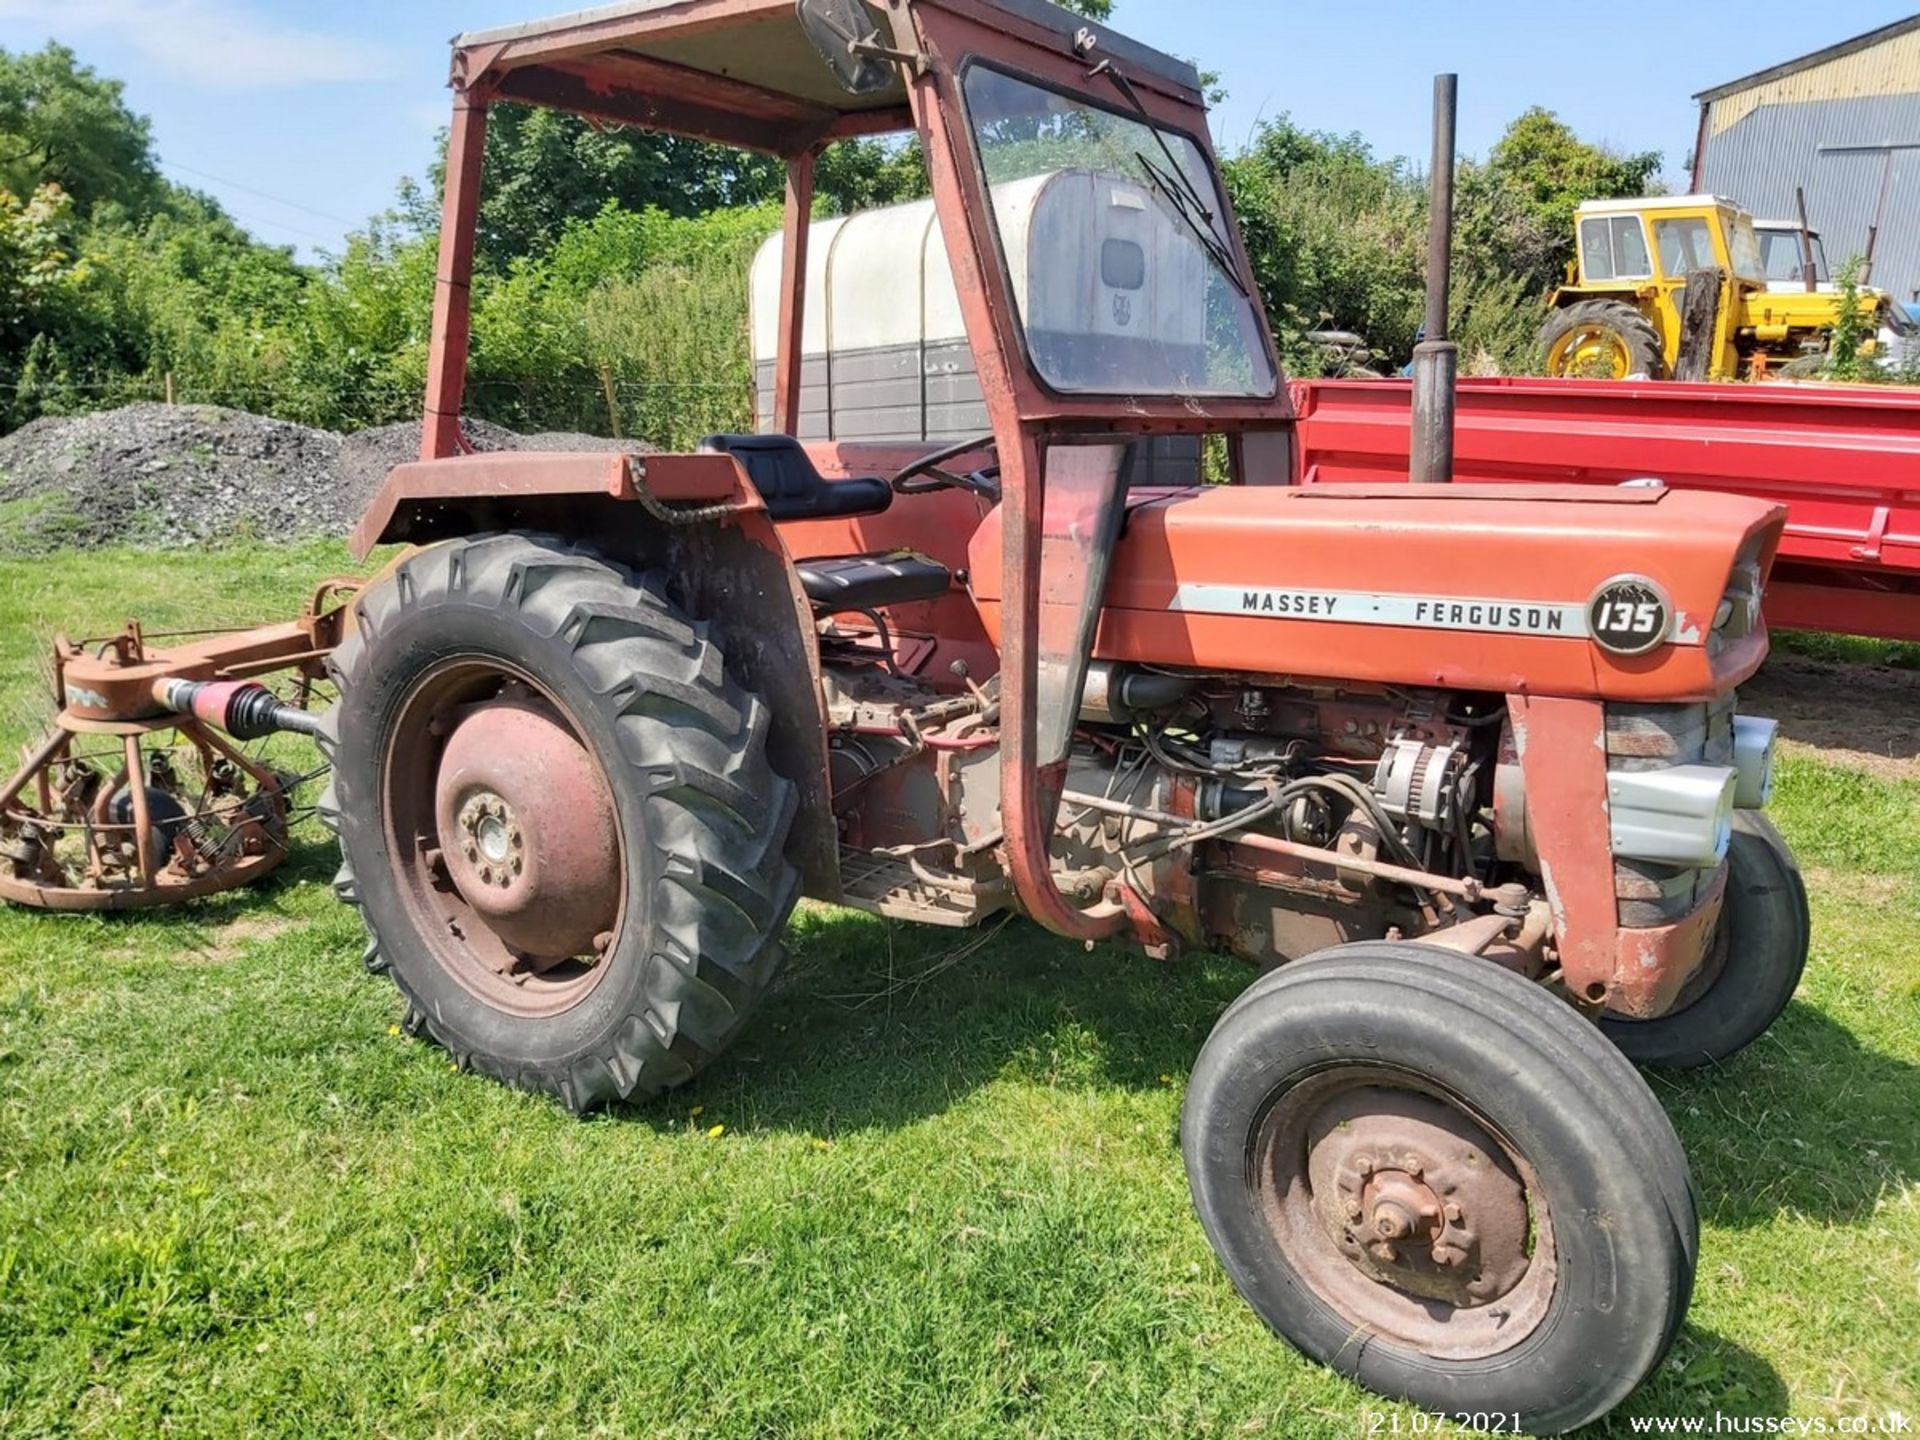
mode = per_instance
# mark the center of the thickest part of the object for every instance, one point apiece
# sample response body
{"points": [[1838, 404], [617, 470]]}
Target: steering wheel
{"points": [[929, 472]]}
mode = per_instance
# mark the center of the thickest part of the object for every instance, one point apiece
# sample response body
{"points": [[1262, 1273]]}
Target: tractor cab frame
{"points": [[752, 74]]}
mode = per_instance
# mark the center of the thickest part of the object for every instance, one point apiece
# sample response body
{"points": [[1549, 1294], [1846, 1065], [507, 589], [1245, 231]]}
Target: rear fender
{"points": [[1573, 294], [696, 517]]}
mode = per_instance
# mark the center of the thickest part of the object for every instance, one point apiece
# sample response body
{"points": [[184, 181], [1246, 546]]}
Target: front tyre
{"points": [[556, 816], [1753, 964], [1433, 1177]]}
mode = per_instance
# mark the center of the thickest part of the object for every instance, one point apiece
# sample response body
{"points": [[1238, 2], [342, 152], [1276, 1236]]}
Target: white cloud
{"points": [[218, 44]]}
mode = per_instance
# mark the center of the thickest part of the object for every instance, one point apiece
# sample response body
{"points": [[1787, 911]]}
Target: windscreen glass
{"points": [[1685, 246], [1780, 257], [1743, 248], [1115, 240]]}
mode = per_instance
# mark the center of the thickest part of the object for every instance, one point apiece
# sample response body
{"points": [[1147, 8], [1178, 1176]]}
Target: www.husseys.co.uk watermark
{"points": [[1890, 1422], [1887, 1423]]}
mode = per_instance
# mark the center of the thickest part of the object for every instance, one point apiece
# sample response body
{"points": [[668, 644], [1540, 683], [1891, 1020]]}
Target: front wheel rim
{"points": [[1406, 1212]]}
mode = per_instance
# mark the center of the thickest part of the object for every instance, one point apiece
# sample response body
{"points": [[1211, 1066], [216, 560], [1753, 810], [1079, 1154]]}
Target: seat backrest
{"points": [[793, 489]]}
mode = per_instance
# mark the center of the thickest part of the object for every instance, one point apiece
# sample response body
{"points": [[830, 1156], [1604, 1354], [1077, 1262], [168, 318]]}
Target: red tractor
{"points": [[1465, 756]]}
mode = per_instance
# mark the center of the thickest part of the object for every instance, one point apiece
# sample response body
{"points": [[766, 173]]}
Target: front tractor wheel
{"points": [[1602, 340], [1427, 1173], [557, 818]]}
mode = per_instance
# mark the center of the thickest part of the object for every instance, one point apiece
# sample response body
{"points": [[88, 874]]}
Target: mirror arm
{"points": [[871, 46]]}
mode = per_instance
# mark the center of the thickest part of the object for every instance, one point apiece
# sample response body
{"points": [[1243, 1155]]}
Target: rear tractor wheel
{"points": [[1603, 340], [557, 818], [1427, 1173]]}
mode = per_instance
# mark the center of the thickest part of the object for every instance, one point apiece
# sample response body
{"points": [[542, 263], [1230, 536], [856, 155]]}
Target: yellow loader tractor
{"points": [[1674, 286]]}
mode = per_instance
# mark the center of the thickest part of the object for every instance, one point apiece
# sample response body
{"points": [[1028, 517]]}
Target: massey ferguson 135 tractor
{"points": [[1466, 757]]}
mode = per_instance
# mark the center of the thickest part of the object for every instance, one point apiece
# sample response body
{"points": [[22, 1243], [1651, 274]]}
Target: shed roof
{"points": [[1808, 61]]}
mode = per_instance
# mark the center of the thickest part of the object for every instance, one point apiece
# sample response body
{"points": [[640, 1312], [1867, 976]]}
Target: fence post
{"points": [[613, 399], [170, 399]]}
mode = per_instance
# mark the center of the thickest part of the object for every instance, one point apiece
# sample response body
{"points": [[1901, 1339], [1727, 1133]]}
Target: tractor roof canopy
{"points": [[739, 72], [1635, 204]]}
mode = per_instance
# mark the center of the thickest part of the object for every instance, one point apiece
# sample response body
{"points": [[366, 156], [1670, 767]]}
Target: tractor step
{"points": [[886, 885]]}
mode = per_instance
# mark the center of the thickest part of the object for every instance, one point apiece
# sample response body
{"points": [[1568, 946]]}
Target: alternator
{"points": [[1415, 780]]}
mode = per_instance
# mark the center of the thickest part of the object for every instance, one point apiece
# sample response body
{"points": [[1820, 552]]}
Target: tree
{"points": [[38, 281], [35, 265], [545, 168], [1335, 235], [1550, 170], [860, 174], [61, 123]]}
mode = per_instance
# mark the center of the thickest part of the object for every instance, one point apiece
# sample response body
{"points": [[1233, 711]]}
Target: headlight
{"points": [[1753, 760], [1679, 815], [1738, 614]]}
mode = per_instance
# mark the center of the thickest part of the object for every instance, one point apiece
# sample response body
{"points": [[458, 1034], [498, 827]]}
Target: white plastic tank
{"points": [[1095, 264]]}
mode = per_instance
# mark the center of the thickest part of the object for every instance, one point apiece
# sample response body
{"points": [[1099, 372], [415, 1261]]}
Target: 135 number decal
{"points": [[1629, 615]]}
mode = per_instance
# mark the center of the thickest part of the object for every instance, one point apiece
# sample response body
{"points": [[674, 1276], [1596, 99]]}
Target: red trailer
{"points": [[1845, 461]]}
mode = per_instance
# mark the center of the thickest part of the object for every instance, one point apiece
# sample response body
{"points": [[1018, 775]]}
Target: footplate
{"points": [[892, 886]]}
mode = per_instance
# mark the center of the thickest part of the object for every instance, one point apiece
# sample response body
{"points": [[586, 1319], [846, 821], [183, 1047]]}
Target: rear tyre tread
{"points": [[723, 885]]}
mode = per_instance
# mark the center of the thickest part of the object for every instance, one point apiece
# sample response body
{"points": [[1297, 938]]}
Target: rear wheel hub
{"points": [[527, 829]]}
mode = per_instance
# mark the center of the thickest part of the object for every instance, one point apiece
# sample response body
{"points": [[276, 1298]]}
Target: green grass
{"points": [[38, 524], [947, 1199]]}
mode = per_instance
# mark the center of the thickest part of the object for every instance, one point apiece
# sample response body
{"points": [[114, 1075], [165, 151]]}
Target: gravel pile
{"points": [[178, 475]]}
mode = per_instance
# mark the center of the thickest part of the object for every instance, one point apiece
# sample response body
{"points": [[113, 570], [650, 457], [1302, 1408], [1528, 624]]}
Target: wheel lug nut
{"points": [[1452, 1213]]}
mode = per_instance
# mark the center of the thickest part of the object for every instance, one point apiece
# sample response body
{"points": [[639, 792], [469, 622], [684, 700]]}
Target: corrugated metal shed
{"points": [[1765, 134]]}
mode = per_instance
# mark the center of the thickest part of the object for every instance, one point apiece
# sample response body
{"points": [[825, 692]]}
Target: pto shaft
{"points": [[242, 708]]}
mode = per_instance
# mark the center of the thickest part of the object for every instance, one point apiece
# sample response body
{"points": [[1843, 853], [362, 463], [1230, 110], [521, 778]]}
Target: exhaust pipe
{"points": [[1436, 360]]}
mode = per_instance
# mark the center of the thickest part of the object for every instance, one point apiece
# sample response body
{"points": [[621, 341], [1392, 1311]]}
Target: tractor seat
{"points": [[784, 474], [867, 582]]}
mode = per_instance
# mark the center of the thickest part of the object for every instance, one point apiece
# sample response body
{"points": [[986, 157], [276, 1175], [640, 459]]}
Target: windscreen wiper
{"points": [[1177, 186], [1201, 224]]}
